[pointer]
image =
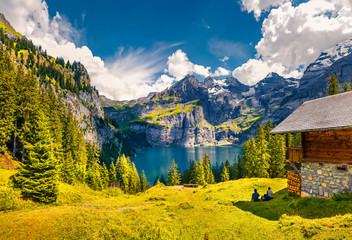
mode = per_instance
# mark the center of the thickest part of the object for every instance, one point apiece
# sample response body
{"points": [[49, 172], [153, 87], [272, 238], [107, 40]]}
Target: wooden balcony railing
{"points": [[294, 154]]}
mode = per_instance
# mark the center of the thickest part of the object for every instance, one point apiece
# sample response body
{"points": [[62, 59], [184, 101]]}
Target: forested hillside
{"points": [[40, 120]]}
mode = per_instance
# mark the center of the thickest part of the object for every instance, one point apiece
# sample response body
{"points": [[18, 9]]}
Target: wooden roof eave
{"points": [[309, 130]]}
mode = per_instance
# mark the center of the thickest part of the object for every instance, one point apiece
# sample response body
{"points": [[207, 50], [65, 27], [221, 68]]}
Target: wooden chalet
{"points": [[325, 154]]}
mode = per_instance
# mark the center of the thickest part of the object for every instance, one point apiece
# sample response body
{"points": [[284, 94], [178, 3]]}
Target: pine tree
{"points": [[156, 181], [227, 165], [94, 177], [68, 169], [224, 176], [124, 171], [185, 177], [135, 182], [199, 174], [267, 128], [263, 156], [276, 149], [173, 174], [37, 176], [27, 102], [56, 113], [163, 180], [346, 87], [296, 140], [93, 173], [144, 182], [250, 154], [192, 171], [334, 86], [208, 174], [236, 170], [7, 103], [112, 174], [216, 172], [104, 176]]}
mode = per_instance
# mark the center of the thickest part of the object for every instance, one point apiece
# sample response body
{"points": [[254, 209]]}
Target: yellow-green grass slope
{"points": [[219, 211]]}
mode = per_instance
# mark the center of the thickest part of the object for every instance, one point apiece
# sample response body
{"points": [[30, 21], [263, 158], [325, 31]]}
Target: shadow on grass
{"points": [[284, 203]]}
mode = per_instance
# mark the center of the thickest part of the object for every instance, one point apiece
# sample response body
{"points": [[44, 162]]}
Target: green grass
{"points": [[219, 211], [310, 208]]}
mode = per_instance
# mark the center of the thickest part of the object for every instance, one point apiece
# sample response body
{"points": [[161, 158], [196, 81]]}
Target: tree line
{"points": [[262, 156], [47, 68], [40, 130], [201, 172]]}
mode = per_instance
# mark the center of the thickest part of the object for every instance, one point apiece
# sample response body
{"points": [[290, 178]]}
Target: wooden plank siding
{"points": [[294, 154], [331, 146]]}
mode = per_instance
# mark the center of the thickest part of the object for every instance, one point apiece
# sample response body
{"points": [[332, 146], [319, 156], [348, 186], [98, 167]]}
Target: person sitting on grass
{"points": [[255, 196], [268, 196]]}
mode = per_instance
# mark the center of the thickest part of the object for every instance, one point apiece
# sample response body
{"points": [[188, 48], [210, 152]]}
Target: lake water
{"points": [[156, 160]]}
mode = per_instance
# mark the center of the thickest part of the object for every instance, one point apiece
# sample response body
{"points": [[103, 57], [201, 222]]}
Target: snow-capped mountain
{"points": [[219, 111], [331, 55]]}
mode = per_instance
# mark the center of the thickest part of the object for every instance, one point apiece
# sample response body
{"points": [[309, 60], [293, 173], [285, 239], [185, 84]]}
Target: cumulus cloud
{"points": [[179, 66], [294, 37], [256, 69], [220, 71], [130, 74], [258, 6]]}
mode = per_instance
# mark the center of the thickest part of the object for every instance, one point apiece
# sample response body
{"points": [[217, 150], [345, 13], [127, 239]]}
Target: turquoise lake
{"points": [[156, 160]]}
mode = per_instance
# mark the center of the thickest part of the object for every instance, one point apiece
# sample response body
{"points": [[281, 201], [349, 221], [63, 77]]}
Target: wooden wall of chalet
{"points": [[332, 146]]}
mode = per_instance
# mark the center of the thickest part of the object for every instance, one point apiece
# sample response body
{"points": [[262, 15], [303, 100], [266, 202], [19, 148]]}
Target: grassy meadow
{"points": [[219, 211]]}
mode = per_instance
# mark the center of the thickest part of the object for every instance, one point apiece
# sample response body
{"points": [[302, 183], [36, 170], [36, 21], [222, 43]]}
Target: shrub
{"points": [[342, 196], [9, 198]]}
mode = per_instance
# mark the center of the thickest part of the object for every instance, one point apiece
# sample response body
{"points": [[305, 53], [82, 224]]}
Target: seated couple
{"points": [[268, 196]]}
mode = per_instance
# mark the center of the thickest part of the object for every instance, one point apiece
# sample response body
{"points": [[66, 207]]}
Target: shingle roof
{"points": [[331, 112]]}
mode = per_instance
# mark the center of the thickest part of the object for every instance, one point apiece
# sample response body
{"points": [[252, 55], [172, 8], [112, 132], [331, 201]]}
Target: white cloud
{"points": [[258, 6], [255, 70], [220, 71], [224, 59], [163, 82], [130, 74], [179, 66], [295, 36]]}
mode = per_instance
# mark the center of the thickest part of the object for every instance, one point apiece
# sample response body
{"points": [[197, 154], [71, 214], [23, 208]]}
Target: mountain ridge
{"points": [[190, 112], [227, 110]]}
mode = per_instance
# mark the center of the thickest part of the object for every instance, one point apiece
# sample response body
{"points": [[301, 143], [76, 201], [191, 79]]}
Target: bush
{"points": [[342, 196], [9, 198]]}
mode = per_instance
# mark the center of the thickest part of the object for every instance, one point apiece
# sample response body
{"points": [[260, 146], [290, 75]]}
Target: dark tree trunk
{"points": [[22, 158], [14, 141]]}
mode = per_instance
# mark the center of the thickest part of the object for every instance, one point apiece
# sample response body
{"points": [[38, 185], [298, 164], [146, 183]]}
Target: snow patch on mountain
{"points": [[220, 83], [331, 55], [249, 93]]}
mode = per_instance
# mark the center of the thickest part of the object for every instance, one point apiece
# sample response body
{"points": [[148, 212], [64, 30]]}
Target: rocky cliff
{"points": [[220, 111], [70, 83], [198, 113], [191, 112]]}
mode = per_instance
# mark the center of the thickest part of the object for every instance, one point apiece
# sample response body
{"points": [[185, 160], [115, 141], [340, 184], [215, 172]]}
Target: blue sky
{"points": [[131, 48], [208, 31]]}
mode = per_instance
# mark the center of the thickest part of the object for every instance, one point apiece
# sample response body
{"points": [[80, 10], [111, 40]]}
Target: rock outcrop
{"points": [[220, 111]]}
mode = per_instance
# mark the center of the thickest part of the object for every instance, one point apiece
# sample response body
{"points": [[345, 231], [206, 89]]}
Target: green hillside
{"points": [[6, 26], [219, 211]]}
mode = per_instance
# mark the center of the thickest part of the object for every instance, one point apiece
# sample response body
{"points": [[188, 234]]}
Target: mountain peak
{"points": [[272, 75], [331, 55], [191, 79]]}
